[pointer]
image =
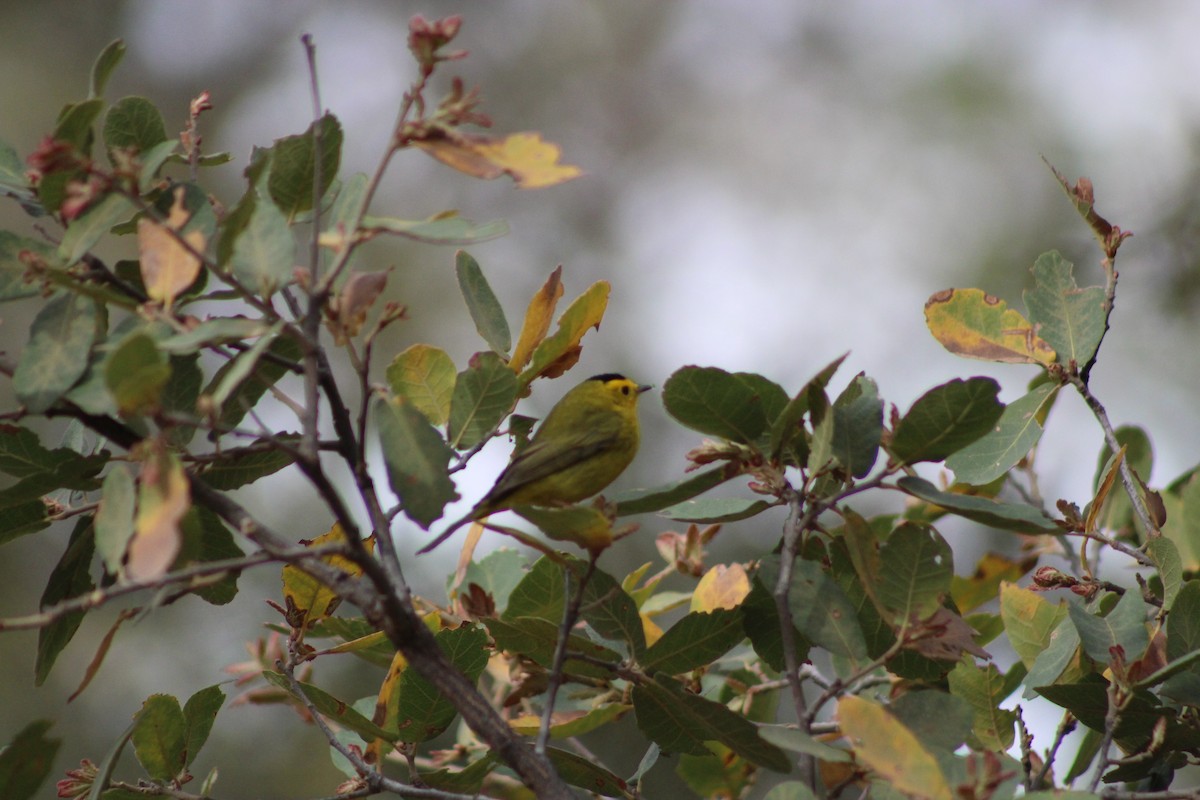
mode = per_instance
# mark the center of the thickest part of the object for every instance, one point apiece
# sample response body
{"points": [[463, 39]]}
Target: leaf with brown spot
{"points": [[971, 323]]}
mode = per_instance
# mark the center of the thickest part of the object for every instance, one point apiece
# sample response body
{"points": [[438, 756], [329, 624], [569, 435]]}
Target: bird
{"points": [[589, 437]]}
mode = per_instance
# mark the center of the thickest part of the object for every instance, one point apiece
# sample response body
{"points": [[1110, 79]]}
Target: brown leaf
{"points": [[944, 636], [353, 302]]}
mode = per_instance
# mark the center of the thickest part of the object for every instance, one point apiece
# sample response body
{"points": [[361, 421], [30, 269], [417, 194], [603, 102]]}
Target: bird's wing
{"points": [[541, 459]]}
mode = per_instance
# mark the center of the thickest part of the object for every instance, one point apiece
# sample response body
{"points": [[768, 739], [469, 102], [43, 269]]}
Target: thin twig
{"points": [[1065, 726], [571, 606]]}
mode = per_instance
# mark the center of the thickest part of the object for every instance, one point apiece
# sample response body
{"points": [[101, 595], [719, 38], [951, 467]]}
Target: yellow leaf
{"points": [[971, 323], [526, 157], [387, 705], [884, 744], [1029, 620], [537, 319], [167, 266], [651, 629], [532, 162], [971, 592], [721, 587], [307, 599], [559, 352], [164, 497]]}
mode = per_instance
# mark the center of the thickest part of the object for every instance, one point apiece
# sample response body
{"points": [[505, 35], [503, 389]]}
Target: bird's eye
{"points": [[624, 390]]}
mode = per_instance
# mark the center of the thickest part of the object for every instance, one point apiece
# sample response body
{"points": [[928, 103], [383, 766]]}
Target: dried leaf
{"points": [[168, 267], [531, 161], [163, 498]]}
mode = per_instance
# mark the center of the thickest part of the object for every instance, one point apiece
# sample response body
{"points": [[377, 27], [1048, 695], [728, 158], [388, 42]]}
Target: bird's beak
{"points": [[644, 388]]}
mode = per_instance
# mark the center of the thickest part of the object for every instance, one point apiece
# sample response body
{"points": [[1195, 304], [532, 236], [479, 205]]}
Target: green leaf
{"points": [[199, 714], [610, 611], [207, 539], [820, 608], [857, 426], [294, 163], [983, 689], [213, 331], [682, 722], [1051, 664], [104, 65], [497, 573], [250, 381], [1029, 620], [915, 569], [60, 341], [181, 394], [263, 253], [483, 396], [539, 594], [733, 406], [74, 123], [1165, 555], [70, 578], [711, 510], [1124, 627], [1183, 623], [23, 519], [152, 160], [1069, 319], [423, 711], [339, 711], [787, 430], [424, 376], [796, 740], [226, 386], [133, 123], [241, 466], [441, 229], [136, 373], [485, 309], [417, 459], [790, 790], [585, 526], [350, 203], [940, 720], [695, 641], [578, 771], [26, 761], [1013, 436], [645, 501], [946, 419], [1003, 516], [92, 225], [114, 518], [159, 737], [760, 621], [536, 639]]}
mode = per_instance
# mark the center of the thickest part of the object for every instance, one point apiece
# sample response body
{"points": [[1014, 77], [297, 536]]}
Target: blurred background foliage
{"points": [[769, 184]]}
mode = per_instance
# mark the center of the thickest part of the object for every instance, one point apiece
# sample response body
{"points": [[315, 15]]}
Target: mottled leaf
{"points": [[972, 323]]}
